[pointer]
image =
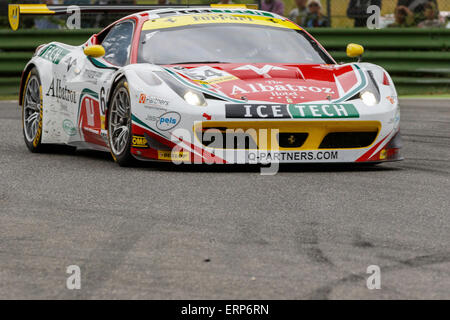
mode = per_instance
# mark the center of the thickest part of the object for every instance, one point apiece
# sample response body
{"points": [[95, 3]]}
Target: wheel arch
{"points": [[117, 79], [23, 79]]}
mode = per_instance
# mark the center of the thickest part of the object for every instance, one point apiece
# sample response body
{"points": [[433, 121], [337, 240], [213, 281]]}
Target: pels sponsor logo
{"points": [[168, 120]]}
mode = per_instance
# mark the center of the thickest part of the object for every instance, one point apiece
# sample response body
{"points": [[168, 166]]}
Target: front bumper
{"points": [[207, 135], [265, 142]]}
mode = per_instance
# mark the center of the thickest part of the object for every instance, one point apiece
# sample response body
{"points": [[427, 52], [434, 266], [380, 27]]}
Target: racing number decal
{"points": [[207, 74], [102, 101], [203, 74]]}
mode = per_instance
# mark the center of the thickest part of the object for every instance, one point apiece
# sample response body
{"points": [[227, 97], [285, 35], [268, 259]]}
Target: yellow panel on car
{"points": [[178, 21]]}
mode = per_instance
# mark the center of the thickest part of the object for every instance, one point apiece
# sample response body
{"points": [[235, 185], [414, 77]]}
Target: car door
{"points": [[97, 75]]}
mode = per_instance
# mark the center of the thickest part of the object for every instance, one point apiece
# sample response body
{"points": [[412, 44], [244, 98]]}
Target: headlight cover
{"points": [[191, 96], [194, 98], [371, 94], [368, 97]]}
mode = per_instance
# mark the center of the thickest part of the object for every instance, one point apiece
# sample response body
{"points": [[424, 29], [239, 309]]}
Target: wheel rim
{"points": [[119, 121], [32, 109]]}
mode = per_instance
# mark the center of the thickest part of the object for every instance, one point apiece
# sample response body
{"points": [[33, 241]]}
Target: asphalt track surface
{"points": [[202, 232]]}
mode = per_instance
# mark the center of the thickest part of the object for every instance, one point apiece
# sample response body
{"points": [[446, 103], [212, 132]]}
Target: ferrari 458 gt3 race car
{"points": [[209, 85]]}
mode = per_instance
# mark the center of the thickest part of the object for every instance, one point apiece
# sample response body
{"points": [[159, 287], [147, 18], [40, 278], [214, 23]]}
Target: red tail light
{"points": [[386, 80]]}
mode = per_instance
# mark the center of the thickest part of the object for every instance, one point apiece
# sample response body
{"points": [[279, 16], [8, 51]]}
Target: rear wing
{"points": [[16, 10]]}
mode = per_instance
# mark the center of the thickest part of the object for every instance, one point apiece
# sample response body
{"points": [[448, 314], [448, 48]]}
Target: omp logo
{"points": [[139, 142], [260, 71], [168, 120]]}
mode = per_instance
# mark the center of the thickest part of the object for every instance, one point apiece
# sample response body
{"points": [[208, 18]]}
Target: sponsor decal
{"points": [[257, 111], [139, 142], [69, 127], [174, 155], [294, 111], [391, 100], [70, 63], [152, 100], [341, 110], [207, 75], [92, 75], [221, 18], [168, 120], [54, 53], [264, 71], [246, 17], [13, 15], [286, 156], [60, 91], [206, 116], [275, 88]]}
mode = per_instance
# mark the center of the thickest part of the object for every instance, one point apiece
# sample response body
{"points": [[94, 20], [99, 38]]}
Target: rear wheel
{"points": [[119, 125], [32, 111]]}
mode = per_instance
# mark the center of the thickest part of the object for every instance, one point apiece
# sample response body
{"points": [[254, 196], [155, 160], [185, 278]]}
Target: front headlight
{"points": [[368, 98], [194, 98], [191, 96], [371, 94]]}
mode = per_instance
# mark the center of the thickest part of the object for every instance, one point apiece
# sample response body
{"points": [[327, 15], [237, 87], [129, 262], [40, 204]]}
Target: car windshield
{"points": [[229, 43]]}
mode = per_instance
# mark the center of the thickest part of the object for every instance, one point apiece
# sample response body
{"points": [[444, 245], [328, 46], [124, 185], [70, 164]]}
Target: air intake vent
{"points": [[343, 140]]}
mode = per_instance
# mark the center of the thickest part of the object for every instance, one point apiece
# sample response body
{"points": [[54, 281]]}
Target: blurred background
{"points": [[334, 13], [412, 42]]}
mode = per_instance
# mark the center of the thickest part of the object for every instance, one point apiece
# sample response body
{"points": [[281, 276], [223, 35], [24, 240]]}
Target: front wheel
{"points": [[119, 125], [32, 111]]}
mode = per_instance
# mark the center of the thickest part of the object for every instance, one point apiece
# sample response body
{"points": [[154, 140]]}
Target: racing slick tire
{"points": [[119, 125], [32, 111]]}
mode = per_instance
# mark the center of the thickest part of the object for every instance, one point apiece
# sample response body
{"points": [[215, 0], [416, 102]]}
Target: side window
{"points": [[117, 43]]}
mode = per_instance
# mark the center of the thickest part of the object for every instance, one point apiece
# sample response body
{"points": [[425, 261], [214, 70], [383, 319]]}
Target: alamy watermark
{"points": [[73, 281], [374, 280], [373, 21]]}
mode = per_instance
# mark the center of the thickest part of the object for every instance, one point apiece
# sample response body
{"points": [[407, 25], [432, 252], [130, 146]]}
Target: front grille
{"points": [[291, 139], [219, 138], [343, 140], [289, 135]]}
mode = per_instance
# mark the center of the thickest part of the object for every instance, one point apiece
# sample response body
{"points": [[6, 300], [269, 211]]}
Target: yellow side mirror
{"points": [[354, 50], [95, 51]]}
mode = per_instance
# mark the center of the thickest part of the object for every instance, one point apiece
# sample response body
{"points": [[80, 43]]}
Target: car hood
{"points": [[276, 83]]}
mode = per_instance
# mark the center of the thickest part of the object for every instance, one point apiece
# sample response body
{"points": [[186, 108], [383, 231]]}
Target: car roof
{"points": [[167, 12]]}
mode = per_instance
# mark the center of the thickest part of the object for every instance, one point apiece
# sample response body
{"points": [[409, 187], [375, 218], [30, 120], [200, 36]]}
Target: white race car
{"points": [[208, 85]]}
